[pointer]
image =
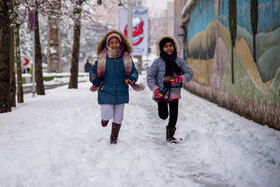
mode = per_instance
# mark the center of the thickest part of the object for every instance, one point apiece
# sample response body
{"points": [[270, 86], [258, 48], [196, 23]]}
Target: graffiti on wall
{"points": [[256, 69], [201, 41], [252, 59], [268, 34], [256, 79]]}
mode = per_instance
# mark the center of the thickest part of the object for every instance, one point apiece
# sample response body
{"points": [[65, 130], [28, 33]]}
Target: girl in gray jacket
{"points": [[165, 78]]}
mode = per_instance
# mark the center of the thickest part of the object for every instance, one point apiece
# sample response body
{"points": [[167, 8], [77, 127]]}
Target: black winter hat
{"points": [[164, 41]]}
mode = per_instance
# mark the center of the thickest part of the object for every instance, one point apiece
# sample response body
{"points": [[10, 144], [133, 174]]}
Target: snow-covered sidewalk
{"points": [[57, 140]]}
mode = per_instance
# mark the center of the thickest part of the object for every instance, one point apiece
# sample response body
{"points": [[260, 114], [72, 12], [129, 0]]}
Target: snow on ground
{"points": [[57, 140]]}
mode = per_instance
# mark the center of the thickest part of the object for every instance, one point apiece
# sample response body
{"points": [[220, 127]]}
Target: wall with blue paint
{"points": [[209, 53], [198, 24]]}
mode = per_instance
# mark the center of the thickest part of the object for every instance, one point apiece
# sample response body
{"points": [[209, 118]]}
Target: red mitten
{"points": [[159, 93], [176, 79]]}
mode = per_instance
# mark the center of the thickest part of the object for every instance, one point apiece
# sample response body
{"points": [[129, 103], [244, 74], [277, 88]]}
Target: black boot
{"points": [[170, 131], [104, 123], [115, 133]]}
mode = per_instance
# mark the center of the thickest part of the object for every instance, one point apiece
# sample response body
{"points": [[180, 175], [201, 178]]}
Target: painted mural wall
{"points": [[254, 80], [201, 41], [178, 31], [209, 53]]}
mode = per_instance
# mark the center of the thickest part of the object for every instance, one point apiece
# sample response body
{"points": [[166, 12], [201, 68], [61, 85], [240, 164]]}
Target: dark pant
{"points": [[173, 111]]}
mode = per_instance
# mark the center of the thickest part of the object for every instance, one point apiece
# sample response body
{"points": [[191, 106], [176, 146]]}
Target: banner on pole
{"points": [[139, 29]]}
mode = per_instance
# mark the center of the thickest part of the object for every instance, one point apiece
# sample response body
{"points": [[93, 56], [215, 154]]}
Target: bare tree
{"points": [[18, 15], [77, 18], [38, 55], [4, 58], [68, 10], [26, 7], [12, 56], [46, 8], [73, 83], [19, 71]]}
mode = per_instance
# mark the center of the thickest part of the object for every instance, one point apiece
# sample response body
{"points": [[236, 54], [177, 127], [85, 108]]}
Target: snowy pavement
{"points": [[57, 140]]}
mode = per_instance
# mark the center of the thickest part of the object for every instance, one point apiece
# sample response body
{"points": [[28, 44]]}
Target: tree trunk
{"points": [[4, 57], [19, 75], [73, 83], [38, 57], [12, 59]]}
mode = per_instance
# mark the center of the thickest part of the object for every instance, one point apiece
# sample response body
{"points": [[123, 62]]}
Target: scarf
{"points": [[171, 66], [170, 63], [111, 53]]}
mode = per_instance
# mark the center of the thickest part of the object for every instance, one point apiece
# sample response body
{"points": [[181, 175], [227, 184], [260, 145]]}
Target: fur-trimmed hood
{"points": [[167, 36], [102, 43]]}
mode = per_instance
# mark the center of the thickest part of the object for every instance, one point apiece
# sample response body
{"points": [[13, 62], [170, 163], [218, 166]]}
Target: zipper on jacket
{"points": [[116, 81]]}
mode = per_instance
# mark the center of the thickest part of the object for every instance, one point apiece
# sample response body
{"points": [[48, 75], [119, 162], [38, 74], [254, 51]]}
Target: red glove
{"points": [[176, 79], [159, 93]]}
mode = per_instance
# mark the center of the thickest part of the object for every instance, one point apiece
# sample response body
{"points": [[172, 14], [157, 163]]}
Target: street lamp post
{"points": [[129, 22]]}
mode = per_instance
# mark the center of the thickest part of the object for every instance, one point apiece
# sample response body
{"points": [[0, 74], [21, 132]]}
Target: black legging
{"points": [[173, 111]]}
